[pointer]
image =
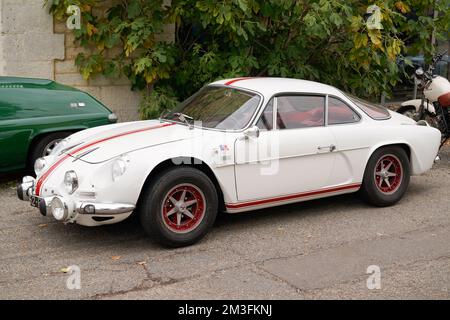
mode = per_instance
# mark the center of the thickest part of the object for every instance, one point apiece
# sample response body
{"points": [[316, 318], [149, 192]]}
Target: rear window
{"points": [[373, 110]]}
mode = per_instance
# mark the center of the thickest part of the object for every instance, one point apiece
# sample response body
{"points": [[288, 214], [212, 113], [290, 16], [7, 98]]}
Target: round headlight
{"points": [[59, 209], [39, 165], [119, 167], [70, 181]]}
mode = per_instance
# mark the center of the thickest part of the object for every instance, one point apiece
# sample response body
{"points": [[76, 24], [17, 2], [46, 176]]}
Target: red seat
{"points": [[301, 119]]}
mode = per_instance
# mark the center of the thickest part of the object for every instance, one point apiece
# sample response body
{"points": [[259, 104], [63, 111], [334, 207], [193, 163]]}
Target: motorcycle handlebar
{"points": [[438, 57], [428, 74]]}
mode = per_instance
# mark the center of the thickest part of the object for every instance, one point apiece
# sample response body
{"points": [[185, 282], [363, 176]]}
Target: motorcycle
{"points": [[434, 106]]}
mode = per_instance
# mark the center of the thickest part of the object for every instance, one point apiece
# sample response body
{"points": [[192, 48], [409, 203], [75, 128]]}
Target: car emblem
{"points": [[77, 104]]}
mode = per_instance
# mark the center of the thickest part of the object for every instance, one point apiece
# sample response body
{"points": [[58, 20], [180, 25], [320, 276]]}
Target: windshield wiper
{"points": [[184, 118]]}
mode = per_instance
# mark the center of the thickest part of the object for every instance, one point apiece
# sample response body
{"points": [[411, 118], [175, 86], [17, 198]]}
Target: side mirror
{"points": [[252, 132]]}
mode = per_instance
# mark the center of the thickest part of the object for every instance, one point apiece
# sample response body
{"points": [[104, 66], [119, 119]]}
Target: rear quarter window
{"points": [[373, 110]]}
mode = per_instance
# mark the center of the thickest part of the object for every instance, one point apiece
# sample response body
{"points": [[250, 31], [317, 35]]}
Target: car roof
{"points": [[24, 80], [270, 86]]}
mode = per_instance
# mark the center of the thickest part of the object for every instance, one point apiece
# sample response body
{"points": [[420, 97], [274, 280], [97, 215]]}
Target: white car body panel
{"points": [[305, 158], [305, 172]]}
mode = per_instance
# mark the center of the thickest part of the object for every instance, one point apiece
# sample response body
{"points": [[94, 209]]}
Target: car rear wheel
{"points": [[386, 177], [43, 146], [179, 206]]}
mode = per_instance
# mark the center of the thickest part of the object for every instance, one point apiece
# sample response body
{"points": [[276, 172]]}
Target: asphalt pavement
{"points": [[320, 249]]}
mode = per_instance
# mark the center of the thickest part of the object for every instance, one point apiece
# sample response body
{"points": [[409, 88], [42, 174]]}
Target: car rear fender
{"points": [[421, 150]]}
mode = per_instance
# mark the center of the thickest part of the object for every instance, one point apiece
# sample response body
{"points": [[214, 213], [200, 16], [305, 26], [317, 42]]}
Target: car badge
{"points": [[77, 104]]}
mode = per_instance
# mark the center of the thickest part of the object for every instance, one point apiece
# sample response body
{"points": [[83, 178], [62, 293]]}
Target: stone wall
{"points": [[28, 46], [33, 45]]}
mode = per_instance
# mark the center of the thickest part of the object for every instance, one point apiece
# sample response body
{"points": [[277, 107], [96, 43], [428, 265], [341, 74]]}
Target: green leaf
{"points": [[134, 9], [243, 5], [112, 40], [355, 23], [360, 40], [111, 70], [336, 19], [375, 37], [309, 20], [142, 64]]}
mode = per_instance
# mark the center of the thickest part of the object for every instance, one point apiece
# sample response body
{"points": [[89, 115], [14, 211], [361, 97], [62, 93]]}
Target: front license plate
{"points": [[34, 201]]}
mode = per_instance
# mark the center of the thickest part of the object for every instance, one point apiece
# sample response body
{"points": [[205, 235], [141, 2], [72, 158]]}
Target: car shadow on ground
{"points": [[11, 178], [122, 233]]}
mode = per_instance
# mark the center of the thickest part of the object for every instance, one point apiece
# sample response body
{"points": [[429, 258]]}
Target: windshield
{"points": [[373, 110], [218, 108]]}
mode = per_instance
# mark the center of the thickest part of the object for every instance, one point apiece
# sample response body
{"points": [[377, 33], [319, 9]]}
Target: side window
{"points": [[265, 122], [300, 112], [339, 112]]}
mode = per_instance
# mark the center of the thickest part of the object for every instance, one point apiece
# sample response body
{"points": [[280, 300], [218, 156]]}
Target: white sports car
{"points": [[236, 145]]}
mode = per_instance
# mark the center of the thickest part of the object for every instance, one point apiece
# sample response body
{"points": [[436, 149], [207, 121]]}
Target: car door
{"points": [[352, 142], [293, 153]]}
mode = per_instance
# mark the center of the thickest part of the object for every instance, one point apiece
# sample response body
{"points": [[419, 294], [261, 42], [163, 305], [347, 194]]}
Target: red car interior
{"points": [[300, 119], [313, 117]]}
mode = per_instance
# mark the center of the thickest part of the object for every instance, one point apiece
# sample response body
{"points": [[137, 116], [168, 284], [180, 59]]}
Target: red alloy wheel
{"points": [[388, 174], [183, 208]]}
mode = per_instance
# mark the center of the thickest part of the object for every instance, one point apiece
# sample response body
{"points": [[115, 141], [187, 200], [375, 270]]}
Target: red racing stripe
{"points": [[72, 153], [290, 197], [236, 80]]}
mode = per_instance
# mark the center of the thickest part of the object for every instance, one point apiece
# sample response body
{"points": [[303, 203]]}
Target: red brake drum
{"points": [[444, 100]]}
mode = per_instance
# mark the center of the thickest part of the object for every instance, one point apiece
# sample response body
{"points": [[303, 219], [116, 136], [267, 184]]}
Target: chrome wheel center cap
{"points": [[180, 206]]}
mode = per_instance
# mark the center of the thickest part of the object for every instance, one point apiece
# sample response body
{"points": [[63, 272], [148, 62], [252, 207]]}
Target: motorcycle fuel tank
{"points": [[440, 86]]}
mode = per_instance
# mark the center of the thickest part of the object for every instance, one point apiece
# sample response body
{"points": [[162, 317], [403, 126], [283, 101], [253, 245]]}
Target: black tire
{"points": [[375, 190], [155, 205], [40, 144]]}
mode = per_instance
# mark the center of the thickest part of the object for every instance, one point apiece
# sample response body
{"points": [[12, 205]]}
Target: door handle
{"points": [[330, 148]]}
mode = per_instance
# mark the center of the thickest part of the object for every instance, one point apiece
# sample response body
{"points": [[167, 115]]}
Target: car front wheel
{"points": [[179, 206], [386, 177]]}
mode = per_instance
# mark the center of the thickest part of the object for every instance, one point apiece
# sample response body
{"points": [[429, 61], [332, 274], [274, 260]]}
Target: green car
{"points": [[35, 114]]}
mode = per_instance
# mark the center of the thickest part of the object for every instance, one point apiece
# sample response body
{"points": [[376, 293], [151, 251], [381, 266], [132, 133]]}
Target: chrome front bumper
{"points": [[73, 211], [25, 189]]}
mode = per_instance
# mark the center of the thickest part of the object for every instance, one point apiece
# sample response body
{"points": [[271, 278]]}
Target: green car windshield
{"points": [[217, 108]]}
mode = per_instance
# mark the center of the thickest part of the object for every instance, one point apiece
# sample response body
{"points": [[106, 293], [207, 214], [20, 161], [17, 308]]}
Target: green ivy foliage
{"points": [[326, 41]]}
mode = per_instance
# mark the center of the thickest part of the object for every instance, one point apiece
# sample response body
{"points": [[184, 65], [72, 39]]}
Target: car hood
{"points": [[104, 143]]}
